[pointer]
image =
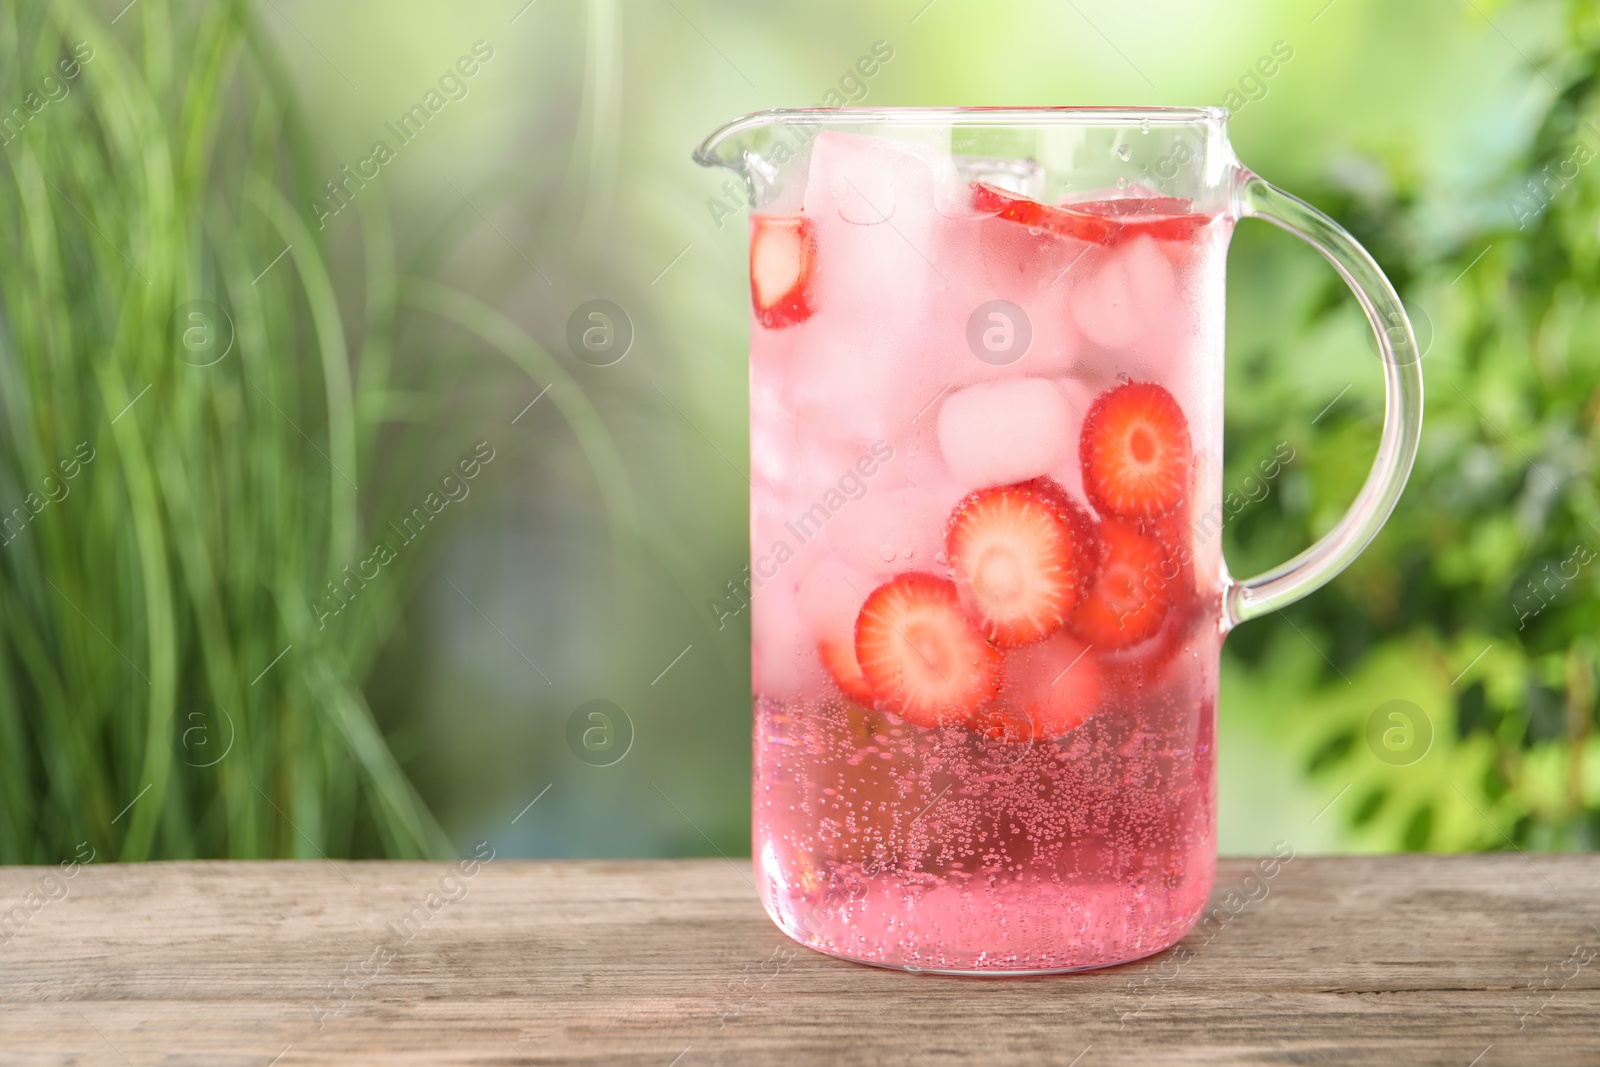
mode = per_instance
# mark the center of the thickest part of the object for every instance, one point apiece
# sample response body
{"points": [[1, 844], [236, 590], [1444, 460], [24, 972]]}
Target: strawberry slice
{"points": [[839, 659], [1175, 532], [1165, 218], [1132, 206], [1020, 558], [923, 660], [1136, 452], [783, 253], [1131, 591], [1057, 682], [1082, 227]]}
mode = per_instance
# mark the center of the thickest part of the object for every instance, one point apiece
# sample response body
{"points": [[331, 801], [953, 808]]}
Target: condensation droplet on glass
{"points": [[1123, 151]]}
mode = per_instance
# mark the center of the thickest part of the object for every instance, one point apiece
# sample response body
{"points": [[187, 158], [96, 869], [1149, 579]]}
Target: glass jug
{"points": [[986, 377]]}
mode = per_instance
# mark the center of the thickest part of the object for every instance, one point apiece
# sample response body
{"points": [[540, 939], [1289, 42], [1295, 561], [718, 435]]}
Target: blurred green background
{"points": [[187, 668]]}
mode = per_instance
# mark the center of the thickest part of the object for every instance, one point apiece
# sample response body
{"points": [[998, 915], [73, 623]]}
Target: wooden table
{"points": [[1458, 960]]}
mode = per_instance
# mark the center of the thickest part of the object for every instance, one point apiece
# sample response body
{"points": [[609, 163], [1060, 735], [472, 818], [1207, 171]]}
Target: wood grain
{"points": [[1350, 960]]}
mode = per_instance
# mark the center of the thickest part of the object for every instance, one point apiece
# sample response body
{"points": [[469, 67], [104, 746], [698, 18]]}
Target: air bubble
{"points": [[1144, 125], [886, 552], [1122, 183], [1123, 151]]}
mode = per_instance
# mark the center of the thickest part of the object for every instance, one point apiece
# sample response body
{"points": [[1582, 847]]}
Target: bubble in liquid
{"points": [[1122, 183], [907, 552], [1123, 151], [886, 552], [1122, 377], [1144, 125]]}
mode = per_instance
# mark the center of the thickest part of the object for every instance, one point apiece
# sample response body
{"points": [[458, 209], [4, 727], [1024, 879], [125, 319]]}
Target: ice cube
{"points": [[854, 382], [830, 597], [862, 361], [773, 431], [867, 180], [783, 657], [1127, 290], [1002, 432], [895, 530]]}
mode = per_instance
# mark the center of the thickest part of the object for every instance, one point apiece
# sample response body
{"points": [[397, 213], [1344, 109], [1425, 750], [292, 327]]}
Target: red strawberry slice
{"points": [[1175, 532], [1083, 227], [1136, 452], [1058, 684], [1164, 218], [839, 658], [1131, 591], [923, 660], [1020, 558], [1133, 206], [783, 252]]}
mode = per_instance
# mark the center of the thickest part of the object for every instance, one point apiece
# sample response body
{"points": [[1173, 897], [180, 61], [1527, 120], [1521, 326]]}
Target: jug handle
{"points": [[1402, 409]]}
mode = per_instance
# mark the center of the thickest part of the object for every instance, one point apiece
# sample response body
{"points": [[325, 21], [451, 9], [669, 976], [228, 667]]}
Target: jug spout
{"points": [[759, 145], [736, 143]]}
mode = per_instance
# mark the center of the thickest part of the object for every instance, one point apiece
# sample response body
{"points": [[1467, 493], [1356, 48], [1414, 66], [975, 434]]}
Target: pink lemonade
{"points": [[985, 454]]}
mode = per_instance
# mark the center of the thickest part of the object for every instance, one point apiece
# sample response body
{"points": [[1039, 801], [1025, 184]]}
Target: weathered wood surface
{"points": [[1457, 960]]}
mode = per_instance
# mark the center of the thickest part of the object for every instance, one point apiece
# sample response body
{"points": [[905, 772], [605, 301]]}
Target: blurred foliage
{"points": [[167, 316], [1479, 604], [233, 446]]}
